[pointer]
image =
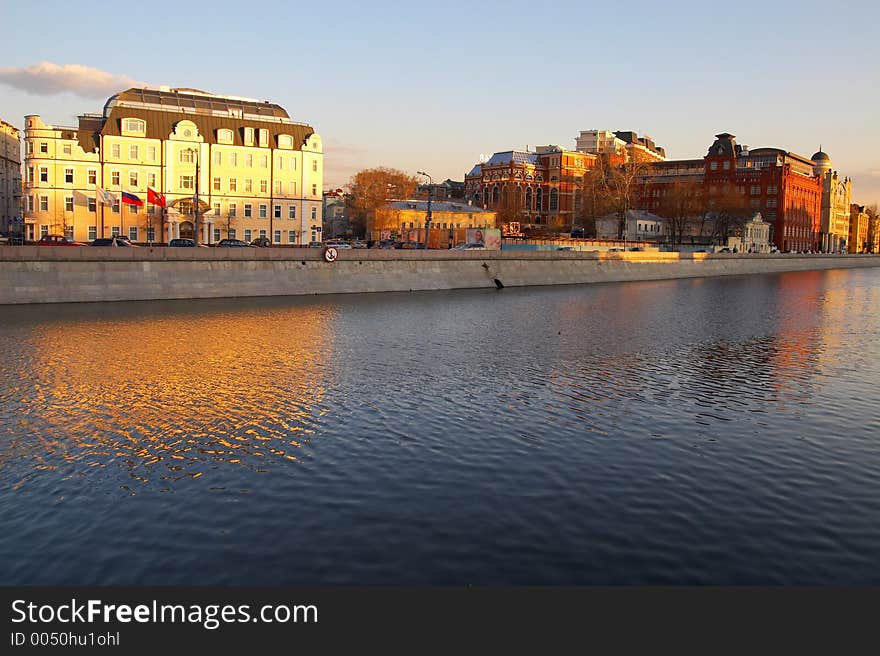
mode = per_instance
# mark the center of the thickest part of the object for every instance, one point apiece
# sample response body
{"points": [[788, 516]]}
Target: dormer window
{"points": [[224, 136], [134, 126], [285, 141], [264, 137], [248, 136]]}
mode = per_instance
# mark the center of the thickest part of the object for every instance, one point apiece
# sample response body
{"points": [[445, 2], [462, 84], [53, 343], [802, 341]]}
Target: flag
{"points": [[104, 197], [131, 199], [155, 197]]}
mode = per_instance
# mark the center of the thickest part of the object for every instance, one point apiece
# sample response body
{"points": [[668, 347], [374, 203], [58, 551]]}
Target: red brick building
{"points": [[783, 186], [538, 189]]}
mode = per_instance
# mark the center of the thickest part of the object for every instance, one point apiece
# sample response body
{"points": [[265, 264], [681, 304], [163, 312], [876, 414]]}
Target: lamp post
{"points": [[430, 194], [195, 197]]}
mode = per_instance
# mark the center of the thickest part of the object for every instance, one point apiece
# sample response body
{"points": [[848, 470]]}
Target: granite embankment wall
{"points": [[46, 274]]}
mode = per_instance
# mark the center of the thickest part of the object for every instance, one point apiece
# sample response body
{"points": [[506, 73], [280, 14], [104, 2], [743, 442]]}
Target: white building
{"points": [[254, 171]]}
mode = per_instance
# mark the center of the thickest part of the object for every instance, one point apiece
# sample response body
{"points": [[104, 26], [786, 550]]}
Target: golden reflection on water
{"points": [[176, 395]]}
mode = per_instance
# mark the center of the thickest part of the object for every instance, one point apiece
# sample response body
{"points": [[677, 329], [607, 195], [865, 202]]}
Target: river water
{"points": [[707, 431]]}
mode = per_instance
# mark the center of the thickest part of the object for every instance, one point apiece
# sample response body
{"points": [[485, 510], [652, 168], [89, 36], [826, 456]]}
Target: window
{"points": [[554, 200], [248, 210], [187, 182], [262, 233], [68, 203], [264, 161], [293, 188], [151, 234], [315, 165], [133, 152], [276, 237], [151, 180], [264, 137], [231, 233], [772, 190], [291, 236], [44, 174], [93, 233], [216, 235], [233, 210], [115, 207], [248, 185], [115, 151], [44, 230], [277, 187], [291, 211], [285, 141], [264, 210], [713, 166], [755, 190], [114, 231], [132, 179], [248, 235], [30, 203], [151, 153], [30, 174], [93, 205], [132, 209], [217, 183], [66, 149], [771, 202], [134, 125], [264, 186], [756, 202], [280, 164], [248, 136], [93, 176], [314, 190], [276, 212], [726, 164], [224, 136], [44, 147], [114, 178], [68, 176], [249, 161], [233, 184], [187, 156], [30, 148], [133, 233], [233, 159], [218, 158], [314, 213], [216, 209]]}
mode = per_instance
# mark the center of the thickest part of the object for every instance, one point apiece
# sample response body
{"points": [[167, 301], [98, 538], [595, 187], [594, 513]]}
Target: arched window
{"points": [[528, 198], [133, 125], [224, 136], [539, 199], [495, 195], [554, 200], [285, 141], [486, 196]]}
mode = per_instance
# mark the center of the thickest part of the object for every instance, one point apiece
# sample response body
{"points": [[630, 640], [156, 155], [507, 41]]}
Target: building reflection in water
{"points": [[169, 395]]}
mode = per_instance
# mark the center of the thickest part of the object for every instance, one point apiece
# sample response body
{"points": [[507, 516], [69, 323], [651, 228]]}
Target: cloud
{"points": [[47, 79]]}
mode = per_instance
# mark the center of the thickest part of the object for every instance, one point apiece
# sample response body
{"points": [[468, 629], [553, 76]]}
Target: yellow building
{"points": [[836, 195], [255, 172], [403, 215], [10, 175], [858, 230]]}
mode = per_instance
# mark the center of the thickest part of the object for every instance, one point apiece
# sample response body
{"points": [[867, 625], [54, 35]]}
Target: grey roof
{"points": [[477, 170], [821, 157], [436, 206], [516, 156]]}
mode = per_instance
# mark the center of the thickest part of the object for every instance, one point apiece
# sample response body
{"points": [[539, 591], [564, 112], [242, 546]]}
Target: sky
{"points": [[433, 86]]}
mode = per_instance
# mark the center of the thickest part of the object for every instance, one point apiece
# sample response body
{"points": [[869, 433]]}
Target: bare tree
{"points": [[681, 205], [729, 210], [596, 200], [623, 183], [372, 188]]}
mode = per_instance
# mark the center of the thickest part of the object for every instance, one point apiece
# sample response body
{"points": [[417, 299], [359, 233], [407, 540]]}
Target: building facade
{"points": [[228, 167], [859, 224], [836, 197], [623, 144], [10, 176], [399, 217], [780, 184], [537, 189]]}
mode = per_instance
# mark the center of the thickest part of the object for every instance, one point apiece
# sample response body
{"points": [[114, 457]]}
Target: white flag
{"points": [[104, 197]]}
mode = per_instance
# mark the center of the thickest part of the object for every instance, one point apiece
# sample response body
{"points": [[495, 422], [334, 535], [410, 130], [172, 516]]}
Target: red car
{"points": [[57, 240]]}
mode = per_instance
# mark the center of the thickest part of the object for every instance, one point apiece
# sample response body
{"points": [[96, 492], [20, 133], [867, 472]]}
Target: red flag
{"points": [[155, 198]]}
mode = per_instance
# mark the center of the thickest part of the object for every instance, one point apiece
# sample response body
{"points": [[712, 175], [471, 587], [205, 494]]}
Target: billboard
{"points": [[489, 237]]}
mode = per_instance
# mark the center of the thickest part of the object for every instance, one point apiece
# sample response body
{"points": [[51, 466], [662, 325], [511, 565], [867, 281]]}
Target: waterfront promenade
{"points": [[34, 274]]}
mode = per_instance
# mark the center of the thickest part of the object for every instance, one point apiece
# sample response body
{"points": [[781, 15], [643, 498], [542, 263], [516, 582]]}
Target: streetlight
{"points": [[430, 194]]}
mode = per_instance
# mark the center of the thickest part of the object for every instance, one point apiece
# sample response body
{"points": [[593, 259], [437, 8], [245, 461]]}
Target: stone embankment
{"points": [[52, 274]]}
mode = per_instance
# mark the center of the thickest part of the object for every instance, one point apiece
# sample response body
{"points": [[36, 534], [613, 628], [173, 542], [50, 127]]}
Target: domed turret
{"points": [[821, 162]]}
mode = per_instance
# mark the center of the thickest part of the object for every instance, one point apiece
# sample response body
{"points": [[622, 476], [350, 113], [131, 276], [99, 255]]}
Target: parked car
{"points": [[357, 243], [725, 250], [316, 244], [57, 240], [112, 241], [469, 247], [411, 245], [386, 244], [184, 243], [232, 243], [125, 239], [337, 244], [16, 239], [262, 242]]}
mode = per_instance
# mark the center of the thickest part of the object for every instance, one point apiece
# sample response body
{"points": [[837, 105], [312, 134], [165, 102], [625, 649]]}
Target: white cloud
{"points": [[46, 79]]}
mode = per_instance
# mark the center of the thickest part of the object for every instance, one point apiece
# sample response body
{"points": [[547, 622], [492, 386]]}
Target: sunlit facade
{"points": [[10, 175], [255, 172]]}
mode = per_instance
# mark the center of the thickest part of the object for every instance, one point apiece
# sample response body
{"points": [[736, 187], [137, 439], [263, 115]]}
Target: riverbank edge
{"points": [[34, 274]]}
